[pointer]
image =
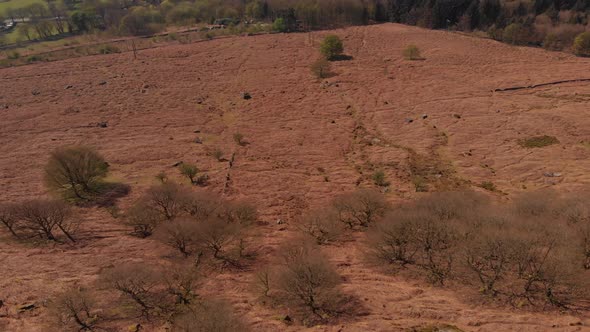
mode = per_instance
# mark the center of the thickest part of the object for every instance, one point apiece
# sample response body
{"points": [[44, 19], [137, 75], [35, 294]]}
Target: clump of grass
{"points": [[538, 141], [108, 49], [412, 52], [379, 179], [488, 185], [34, 58], [13, 55], [239, 139]]}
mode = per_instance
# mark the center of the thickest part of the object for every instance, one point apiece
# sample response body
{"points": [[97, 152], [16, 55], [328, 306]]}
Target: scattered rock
{"points": [[552, 174], [3, 106], [280, 221], [178, 164], [103, 124], [409, 120], [197, 131], [35, 92], [198, 140], [246, 96], [102, 83], [69, 87], [424, 116], [333, 121], [288, 319], [457, 116]]}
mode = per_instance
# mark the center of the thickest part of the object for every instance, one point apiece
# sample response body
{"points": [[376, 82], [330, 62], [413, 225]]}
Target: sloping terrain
{"points": [[308, 140]]}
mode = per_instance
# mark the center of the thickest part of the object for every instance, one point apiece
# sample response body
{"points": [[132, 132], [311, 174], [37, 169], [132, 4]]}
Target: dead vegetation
{"points": [[303, 280], [526, 253]]}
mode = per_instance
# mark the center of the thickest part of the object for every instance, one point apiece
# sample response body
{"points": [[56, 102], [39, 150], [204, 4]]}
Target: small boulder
{"points": [[69, 87], [198, 140], [103, 124], [178, 163], [409, 120], [457, 116], [246, 96], [552, 174], [102, 83], [27, 307], [424, 116]]}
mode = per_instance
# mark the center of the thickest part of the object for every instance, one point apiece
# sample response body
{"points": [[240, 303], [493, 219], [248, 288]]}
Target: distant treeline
{"points": [[551, 23]]}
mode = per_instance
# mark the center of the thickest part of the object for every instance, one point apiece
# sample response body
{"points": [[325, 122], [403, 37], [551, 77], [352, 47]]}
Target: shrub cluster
{"points": [[534, 251], [194, 223]]}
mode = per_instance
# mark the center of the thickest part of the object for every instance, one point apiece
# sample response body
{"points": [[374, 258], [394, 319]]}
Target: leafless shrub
{"points": [[307, 278], [262, 281], [141, 285], [8, 218], [436, 241], [182, 283], [41, 218], [179, 234], [360, 208], [451, 205], [488, 253], [392, 241], [143, 218], [202, 205], [207, 317], [76, 170], [75, 309], [535, 204], [240, 212], [223, 240], [321, 225], [168, 199]]}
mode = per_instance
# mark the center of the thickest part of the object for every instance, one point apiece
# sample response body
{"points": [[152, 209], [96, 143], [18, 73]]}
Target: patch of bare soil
{"points": [[436, 124]]}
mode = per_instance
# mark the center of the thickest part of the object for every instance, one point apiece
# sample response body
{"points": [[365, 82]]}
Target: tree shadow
{"points": [[106, 195], [342, 57]]}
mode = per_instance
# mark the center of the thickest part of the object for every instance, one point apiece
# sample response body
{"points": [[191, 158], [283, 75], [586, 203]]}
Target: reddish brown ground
{"points": [[349, 125]]}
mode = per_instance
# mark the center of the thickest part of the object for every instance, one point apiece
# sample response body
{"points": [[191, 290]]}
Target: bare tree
{"points": [[168, 199], [182, 283], [75, 170], [202, 205], [240, 212], [222, 239], [143, 218], [75, 308], [393, 241], [322, 225], [179, 234], [488, 253], [8, 217], [307, 278], [142, 285], [360, 208], [42, 217]]}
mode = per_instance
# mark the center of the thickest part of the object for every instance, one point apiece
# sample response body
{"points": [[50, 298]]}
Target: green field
{"points": [[16, 4]]}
